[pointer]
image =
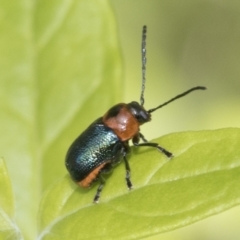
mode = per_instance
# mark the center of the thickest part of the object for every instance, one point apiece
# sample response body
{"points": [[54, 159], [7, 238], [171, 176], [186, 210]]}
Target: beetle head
{"points": [[139, 112]]}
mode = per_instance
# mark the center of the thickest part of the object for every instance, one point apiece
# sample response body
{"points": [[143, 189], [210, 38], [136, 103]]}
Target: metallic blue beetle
{"points": [[106, 141]]}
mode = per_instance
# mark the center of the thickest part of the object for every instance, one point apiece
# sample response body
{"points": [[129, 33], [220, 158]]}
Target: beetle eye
{"points": [[139, 112], [143, 115]]}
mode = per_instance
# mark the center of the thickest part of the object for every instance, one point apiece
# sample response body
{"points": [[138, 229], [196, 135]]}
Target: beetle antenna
{"points": [[178, 96], [144, 60]]}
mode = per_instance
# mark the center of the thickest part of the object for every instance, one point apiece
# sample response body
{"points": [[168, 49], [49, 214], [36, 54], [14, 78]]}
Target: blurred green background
{"points": [[189, 43]]}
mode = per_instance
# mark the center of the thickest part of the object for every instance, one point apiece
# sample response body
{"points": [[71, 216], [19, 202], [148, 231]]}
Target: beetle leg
{"points": [[100, 187], [106, 169], [150, 144], [128, 171], [142, 137]]}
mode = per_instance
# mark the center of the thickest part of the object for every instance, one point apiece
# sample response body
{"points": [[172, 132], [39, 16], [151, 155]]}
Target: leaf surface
{"points": [[201, 180], [8, 229], [60, 67]]}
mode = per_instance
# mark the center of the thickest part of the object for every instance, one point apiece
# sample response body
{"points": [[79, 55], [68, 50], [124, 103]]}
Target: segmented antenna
{"points": [[144, 60], [178, 96]]}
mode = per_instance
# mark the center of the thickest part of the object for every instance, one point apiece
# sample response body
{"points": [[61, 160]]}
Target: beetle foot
{"points": [[164, 151], [129, 184], [96, 199]]}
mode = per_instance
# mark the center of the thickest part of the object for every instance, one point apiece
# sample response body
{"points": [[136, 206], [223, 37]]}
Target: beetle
{"points": [[106, 141]]}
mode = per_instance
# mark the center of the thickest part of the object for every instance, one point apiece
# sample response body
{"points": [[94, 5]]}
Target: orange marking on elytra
{"points": [[86, 182]]}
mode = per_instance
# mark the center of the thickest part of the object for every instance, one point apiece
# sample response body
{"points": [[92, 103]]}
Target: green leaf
{"points": [[201, 180], [8, 229], [60, 67]]}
